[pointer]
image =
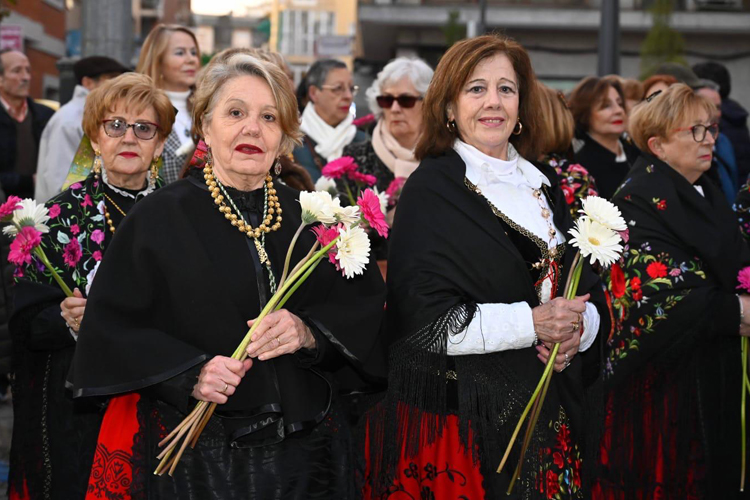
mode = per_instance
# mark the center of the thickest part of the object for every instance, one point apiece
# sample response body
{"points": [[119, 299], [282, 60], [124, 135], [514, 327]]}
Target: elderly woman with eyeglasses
{"points": [[127, 119], [672, 371], [326, 120]]}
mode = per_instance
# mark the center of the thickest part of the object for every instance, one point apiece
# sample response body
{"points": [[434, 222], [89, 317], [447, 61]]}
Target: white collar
{"points": [[482, 169], [80, 92], [144, 192]]}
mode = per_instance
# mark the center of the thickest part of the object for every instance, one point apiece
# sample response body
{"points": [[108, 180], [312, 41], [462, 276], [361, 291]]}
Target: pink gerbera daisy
{"points": [[338, 168], [369, 204], [27, 239]]}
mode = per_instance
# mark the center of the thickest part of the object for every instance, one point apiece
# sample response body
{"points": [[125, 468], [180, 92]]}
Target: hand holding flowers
{"points": [[597, 235]]}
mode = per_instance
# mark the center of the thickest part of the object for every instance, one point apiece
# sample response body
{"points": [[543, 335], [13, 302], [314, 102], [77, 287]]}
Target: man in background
{"points": [[21, 124], [63, 133]]}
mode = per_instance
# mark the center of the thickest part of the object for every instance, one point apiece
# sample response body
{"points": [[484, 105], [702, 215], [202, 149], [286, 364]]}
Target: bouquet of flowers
{"points": [[744, 284], [597, 235], [341, 238], [346, 169], [28, 221]]}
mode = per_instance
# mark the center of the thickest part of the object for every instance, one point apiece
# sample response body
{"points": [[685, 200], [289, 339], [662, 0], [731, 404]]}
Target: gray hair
{"points": [[318, 72], [230, 64], [416, 70]]}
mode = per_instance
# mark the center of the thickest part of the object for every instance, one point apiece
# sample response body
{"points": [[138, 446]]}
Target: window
{"points": [[300, 29]]}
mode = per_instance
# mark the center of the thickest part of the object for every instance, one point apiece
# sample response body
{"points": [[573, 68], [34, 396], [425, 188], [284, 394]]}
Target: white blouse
{"points": [[510, 185], [182, 120]]}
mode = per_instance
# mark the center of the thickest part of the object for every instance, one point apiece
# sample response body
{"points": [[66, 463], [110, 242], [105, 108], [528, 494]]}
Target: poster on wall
{"points": [[11, 37]]}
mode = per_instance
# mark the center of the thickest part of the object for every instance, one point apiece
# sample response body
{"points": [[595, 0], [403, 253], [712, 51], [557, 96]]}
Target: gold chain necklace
{"points": [[237, 220], [106, 213]]}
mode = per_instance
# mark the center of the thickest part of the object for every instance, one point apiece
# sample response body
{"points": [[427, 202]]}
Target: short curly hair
{"points": [[225, 67], [665, 112], [135, 90]]}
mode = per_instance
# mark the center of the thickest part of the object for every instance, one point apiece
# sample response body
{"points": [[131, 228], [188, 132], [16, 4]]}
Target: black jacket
{"points": [[734, 126], [12, 182]]}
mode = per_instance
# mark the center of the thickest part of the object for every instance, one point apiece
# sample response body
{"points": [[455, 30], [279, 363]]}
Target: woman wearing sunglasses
{"points": [[395, 98], [672, 370], [327, 122], [127, 119]]}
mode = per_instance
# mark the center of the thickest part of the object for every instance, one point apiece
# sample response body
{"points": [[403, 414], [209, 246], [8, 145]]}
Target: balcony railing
{"points": [[629, 5]]}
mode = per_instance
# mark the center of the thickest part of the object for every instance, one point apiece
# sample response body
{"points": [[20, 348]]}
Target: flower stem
{"points": [[289, 253], [349, 193], [297, 284], [40, 254]]}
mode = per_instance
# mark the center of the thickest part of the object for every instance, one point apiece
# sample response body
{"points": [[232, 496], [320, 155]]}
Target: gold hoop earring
{"points": [[97, 168], [451, 126], [520, 127]]}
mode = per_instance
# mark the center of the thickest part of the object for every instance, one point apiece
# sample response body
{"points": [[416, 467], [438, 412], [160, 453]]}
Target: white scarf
{"points": [[330, 141]]}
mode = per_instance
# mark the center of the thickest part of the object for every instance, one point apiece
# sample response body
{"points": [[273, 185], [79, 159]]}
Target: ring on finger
{"points": [[226, 387], [278, 342], [567, 361]]}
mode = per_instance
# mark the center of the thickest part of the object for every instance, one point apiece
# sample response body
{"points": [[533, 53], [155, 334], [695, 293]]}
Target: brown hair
{"points": [[451, 75], [556, 130], [224, 68], [587, 96], [665, 112], [649, 82], [154, 47], [135, 90]]}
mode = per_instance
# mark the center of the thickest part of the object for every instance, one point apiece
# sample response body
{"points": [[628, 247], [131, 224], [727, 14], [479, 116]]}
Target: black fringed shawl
{"points": [[449, 253], [672, 368]]}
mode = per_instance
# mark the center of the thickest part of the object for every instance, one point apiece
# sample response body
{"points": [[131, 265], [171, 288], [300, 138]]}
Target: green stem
{"points": [[349, 193], [297, 284], [742, 413], [40, 254], [289, 253], [238, 353]]}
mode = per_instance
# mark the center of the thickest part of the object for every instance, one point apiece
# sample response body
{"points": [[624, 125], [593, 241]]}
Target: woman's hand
{"points": [[219, 379], [279, 333], [565, 353], [745, 320], [559, 321], [72, 308]]}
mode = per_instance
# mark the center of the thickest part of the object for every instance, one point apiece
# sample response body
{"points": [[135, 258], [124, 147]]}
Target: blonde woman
{"points": [[171, 57]]}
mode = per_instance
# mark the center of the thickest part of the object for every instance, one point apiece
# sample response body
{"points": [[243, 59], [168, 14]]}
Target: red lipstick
{"points": [[128, 154], [248, 149]]}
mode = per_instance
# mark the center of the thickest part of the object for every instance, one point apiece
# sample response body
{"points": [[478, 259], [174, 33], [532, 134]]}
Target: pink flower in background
{"points": [[10, 206], [74, 229], [54, 211], [27, 239], [325, 235], [394, 190], [75, 186], [367, 179], [72, 253], [87, 201], [97, 236], [369, 204], [338, 168], [578, 168], [97, 256], [365, 120], [744, 279]]}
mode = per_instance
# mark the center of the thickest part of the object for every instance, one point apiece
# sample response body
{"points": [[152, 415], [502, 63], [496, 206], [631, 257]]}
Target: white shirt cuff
{"points": [[591, 322], [495, 327]]}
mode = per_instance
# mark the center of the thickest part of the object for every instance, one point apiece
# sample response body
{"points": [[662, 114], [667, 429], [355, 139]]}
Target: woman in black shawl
{"points": [[54, 437], [476, 270], [174, 298], [673, 373]]}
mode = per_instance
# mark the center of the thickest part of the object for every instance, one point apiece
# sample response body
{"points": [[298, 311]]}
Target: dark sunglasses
{"points": [[404, 101]]}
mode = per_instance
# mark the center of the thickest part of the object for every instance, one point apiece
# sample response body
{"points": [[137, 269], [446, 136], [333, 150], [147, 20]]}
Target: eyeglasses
{"points": [[339, 89], [652, 95], [404, 100], [142, 130], [699, 131]]}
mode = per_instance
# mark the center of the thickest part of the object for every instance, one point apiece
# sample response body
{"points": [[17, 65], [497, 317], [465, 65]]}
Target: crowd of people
{"points": [[165, 188]]}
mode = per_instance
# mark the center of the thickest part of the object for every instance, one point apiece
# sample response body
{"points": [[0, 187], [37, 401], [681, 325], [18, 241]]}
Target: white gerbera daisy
{"points": [[352, 250], [30, 214], [604, 212], [326, 184], [348, 215], [597, 240], [383, 199], [318, 206]]}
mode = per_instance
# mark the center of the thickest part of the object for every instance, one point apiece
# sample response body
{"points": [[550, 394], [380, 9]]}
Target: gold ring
{"points": [[278, 341], [77, 323], [226, 386]]}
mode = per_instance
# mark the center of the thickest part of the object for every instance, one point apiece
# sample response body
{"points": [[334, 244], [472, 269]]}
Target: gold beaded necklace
{"points": [[237, 220], [106, 213]]}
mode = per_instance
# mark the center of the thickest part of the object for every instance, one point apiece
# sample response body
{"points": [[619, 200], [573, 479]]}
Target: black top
{"points": [[178, 286], [601, 164]]}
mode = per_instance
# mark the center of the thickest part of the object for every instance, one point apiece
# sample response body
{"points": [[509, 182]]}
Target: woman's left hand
{"points": [[279, 333], [565, 353], [72, 308]]}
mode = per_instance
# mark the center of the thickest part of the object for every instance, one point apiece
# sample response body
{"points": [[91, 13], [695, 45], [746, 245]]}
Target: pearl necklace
{"points": [[106, 213], [258, 234]]}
